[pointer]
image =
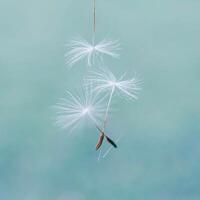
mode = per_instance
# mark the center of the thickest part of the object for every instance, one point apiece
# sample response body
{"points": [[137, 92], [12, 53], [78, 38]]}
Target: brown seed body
{"points": [[100, 141], [101, 138]]}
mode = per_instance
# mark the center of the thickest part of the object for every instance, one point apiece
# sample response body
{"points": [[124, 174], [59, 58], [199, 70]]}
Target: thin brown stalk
{"points": [[94, 16]]}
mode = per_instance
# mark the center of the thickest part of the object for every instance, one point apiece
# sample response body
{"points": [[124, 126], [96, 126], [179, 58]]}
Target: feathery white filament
{"points": [[73, 108], [105, 81], [81, 49]]}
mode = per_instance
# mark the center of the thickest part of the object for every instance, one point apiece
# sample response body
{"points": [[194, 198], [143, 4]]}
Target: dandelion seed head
{"points": [[105, 81], [81, 49], [73, 108]]}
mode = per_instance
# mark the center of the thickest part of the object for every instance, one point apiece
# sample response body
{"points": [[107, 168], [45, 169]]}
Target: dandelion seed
{"points": [[72, 109], [81, 49], [105, 81], [101, 138]]}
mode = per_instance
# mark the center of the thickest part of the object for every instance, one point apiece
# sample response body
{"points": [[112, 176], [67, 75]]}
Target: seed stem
{"points": [[108, 107]]}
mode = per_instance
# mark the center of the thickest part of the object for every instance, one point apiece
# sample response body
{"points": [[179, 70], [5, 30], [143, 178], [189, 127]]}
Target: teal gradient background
{"points": [[159, 156]]}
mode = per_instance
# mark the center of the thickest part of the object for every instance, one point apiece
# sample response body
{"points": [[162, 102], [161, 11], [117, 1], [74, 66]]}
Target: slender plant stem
{"points": [[94, 24], [106, 116], [94, 16], [98, 128], [95, 123], [108, 107]]}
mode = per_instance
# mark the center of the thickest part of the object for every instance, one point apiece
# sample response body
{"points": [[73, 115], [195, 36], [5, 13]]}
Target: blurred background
{"points": [[158, 155]]}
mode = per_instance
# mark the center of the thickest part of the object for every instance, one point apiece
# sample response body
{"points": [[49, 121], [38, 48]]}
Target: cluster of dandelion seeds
{"points": [[93, 102]]}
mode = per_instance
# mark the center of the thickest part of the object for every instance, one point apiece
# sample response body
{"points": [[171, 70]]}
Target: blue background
{"points": [[158, 156]]}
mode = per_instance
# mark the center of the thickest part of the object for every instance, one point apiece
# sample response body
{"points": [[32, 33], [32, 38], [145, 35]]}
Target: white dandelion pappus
{"points": [[82, 49], [105, 81], [72, 109]]}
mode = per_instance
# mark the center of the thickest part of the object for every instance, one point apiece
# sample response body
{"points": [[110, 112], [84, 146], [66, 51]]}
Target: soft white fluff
{"points": [[82, 49], [74, 107], [105, 81]]}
